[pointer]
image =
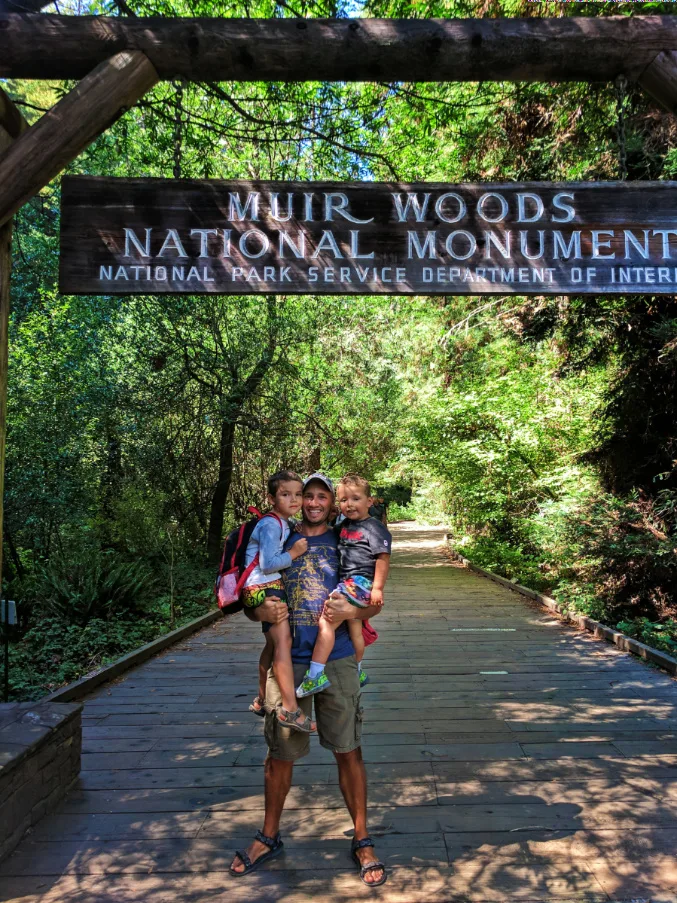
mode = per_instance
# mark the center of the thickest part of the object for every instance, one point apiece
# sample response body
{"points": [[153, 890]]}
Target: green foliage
{"points": [[82, 584], [660, 636], [398, 512], [56, 649], [541, 431]]}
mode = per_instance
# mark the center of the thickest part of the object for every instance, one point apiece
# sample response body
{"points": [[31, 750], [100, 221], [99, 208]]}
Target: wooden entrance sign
{"points": [[154, 236]]}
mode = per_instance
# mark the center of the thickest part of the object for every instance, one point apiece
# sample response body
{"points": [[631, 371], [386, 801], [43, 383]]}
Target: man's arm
{"points": [[340, 609]]}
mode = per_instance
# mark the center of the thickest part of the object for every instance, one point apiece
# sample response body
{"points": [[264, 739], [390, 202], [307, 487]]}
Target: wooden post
{"points": [[659, 80], [5, 274], [12, 124], [47, 147]]}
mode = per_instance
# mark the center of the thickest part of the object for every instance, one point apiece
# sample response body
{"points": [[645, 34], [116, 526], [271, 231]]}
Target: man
{"points": [[309, 580]]}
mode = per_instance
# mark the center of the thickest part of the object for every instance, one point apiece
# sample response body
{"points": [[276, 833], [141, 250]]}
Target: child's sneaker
{"points": [[311, 685], [364, 678]]}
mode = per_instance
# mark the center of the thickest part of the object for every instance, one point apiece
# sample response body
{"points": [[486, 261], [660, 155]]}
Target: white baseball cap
{"points": [[321, 477]]}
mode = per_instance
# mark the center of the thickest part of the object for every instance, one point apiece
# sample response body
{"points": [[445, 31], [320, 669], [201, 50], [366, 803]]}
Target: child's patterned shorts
{"points": [[357, 590], [253, 596]]}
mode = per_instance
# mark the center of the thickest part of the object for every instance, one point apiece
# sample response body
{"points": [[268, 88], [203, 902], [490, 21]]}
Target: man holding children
{"points": [[328, 582]]}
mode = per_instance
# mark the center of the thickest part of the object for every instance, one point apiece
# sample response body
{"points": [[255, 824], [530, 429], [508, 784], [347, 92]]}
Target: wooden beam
{"points": [[23, 6], [659, 80], [5, 139], [73, 123], [11, 117], [556, 49]]}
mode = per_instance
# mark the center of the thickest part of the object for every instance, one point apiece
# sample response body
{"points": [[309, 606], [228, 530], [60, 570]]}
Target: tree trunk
{"points": [[221, 491], [236, 401]]}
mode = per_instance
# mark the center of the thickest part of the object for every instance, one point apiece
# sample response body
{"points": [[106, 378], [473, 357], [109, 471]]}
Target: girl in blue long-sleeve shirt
{"points": [[266, 552]]}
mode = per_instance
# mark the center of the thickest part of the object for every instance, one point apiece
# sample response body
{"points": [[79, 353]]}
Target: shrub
{"points": [[661, 636], [83, 583]]}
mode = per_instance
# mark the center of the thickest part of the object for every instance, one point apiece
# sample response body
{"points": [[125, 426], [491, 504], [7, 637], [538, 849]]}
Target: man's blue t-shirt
{"points": [[309, 580]]}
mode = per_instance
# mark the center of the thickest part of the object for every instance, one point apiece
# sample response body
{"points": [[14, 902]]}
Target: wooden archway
{"points": [[119, 60]]}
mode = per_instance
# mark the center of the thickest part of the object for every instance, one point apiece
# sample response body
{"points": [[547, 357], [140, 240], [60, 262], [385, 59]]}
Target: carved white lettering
{"points": [[131, 238], [337, 202], [422, 250], [172, 243], [419, 207]]}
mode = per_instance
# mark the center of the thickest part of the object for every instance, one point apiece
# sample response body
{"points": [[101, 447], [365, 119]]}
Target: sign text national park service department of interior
{"points": [[151, 236]]}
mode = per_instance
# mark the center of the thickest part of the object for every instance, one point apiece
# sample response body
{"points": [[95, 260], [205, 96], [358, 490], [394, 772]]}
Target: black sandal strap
{"points": [[360, 844], [271, 842], [245, 859], [371, 867]]}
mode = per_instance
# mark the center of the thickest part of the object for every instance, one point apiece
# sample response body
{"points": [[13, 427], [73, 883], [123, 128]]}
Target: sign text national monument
{"points": [[151, 236]]}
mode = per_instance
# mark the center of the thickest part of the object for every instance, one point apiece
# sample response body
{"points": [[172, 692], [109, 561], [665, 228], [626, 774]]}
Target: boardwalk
{"points": [[509, 758]]}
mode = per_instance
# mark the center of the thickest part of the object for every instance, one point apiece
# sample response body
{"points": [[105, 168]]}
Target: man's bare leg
{"points": [[353, 784], [278, 776]]}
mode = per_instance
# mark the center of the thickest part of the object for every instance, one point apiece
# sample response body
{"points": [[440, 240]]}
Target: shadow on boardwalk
{"points": [[509, 758]]}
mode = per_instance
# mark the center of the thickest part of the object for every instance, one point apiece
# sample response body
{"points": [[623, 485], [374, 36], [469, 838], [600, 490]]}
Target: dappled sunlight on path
{"points": [[510, 758]]}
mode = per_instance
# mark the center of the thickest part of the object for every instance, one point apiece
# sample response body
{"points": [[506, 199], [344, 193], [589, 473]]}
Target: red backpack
{"points": [[233, 574]]}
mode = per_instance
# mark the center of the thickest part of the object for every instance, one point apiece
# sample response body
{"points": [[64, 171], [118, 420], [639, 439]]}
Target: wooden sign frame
{"points": [[171, 236]]}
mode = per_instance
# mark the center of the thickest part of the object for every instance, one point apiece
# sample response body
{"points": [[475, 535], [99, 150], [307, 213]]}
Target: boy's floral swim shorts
{"points": [[357, 590]]}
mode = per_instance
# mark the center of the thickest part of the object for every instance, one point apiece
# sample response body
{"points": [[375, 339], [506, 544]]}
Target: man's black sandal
{"points": [[370, 866], [276, 847]]}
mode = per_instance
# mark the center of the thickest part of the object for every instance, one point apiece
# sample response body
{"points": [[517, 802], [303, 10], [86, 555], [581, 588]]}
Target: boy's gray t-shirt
{"points": [[360, 541]]}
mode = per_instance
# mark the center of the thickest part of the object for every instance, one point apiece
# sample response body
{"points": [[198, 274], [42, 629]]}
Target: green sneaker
{"points": [[364, 678], [311, 685]]}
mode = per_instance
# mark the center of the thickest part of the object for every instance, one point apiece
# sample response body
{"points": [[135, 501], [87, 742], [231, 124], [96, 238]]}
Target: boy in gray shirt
{"points": [[364, 552]]}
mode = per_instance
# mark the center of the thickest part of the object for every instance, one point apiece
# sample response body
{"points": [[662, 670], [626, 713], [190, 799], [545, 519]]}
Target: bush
{"points": [[54, 651], [506, 560], [661, 636], [626, 560], [401, 512], [85, 583]]}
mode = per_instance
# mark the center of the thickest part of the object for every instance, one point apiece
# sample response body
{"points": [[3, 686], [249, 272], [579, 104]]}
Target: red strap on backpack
{"points": [[222, 568]]}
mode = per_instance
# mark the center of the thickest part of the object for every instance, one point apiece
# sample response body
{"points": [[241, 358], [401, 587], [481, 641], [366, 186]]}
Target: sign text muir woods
{"points": [[140, 236]]}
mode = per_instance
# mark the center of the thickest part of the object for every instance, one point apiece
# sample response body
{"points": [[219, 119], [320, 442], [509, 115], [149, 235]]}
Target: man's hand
{"points": [[272, 610], [337, 608], [376, 596], [299, 547]]}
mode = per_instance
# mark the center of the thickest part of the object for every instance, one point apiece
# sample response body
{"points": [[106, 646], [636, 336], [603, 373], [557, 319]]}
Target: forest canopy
{"points": [[541, 430]]}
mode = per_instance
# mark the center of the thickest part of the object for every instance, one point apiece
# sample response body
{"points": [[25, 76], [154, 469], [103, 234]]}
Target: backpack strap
{"points": [[277, 518], [238, 546]]}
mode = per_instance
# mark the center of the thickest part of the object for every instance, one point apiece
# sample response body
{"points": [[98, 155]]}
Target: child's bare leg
{"points": [[326, 637], [355, 631], [282, 666], [265, 661]]}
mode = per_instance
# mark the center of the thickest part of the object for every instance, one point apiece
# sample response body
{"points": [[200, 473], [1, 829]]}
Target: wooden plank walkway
{"points": [[509, 758]]}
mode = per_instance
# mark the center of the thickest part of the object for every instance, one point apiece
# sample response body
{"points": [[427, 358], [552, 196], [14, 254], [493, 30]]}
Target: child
{"points": [[364, 552], [266, 545]]}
